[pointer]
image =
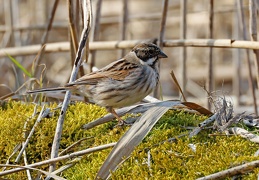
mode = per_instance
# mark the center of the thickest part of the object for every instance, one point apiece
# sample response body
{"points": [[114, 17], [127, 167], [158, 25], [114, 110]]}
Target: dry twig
{"points": [[43, 114], [109, 45], [57, 159], [244, 168], [46, 33], [87, 26]]}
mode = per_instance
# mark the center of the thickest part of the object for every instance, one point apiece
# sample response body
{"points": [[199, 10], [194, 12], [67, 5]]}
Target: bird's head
{"points": [[148, 53]]}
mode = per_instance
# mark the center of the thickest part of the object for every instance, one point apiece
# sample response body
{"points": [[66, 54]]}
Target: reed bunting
{"points": [[121, 83]]}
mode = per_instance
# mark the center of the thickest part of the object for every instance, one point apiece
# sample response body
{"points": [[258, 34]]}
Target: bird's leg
{"points": [[120, 121]]}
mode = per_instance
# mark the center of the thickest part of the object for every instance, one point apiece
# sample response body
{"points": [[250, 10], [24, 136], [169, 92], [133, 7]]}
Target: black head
{"points": [[148, 52]]}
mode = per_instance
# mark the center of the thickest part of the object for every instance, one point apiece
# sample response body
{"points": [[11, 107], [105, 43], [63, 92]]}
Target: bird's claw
{"points": [[122, 123]]}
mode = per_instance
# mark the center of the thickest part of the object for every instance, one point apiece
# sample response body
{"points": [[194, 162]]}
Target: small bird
{"points": [[121, 83]]}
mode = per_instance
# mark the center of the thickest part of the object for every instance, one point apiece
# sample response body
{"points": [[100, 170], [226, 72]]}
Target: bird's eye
{"points": [[151, 51]]}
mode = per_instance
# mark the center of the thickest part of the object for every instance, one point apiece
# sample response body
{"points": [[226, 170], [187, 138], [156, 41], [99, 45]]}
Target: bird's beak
{"points": [[162, 55]]}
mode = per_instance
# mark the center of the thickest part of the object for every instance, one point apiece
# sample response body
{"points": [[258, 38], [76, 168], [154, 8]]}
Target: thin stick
{"points": [[96, 25], [178, 86], [26, 163], [236, 57], [72, 25], [15, 14], [42, 114], [210, 65], [161, 40], [8, 33], [9, 20], [124, 23], [250, 80], [163, 23], [203, 124], [61, 158], [111, 45], [253, 35], [46, 34], [87, 26], [183, 56], [241, 169], [73, 145], [73, 32], [73, 39]]}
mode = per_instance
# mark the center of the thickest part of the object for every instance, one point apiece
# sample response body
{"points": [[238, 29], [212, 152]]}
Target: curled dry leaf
{"points": [[198, 108]]}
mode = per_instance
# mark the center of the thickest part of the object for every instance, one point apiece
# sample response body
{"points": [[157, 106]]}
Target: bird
{"points": [[121, 83]]}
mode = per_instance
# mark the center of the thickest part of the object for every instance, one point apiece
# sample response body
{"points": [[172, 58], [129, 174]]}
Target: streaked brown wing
{"points": [[117, 71], [88, 79]]}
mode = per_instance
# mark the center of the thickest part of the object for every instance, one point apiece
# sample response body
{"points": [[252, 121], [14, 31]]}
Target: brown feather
{"points": [[118, 70]]}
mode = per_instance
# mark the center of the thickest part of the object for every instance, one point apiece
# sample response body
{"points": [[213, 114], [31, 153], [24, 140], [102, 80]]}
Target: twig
{"points": [[18, 146], [63, 168], [23, 144], [250, 80], [231, 121], [202, 125], [73, 145], [31, 168], [46, 34], [244, 168], [72, 25], [161, 40], [236, 57], [253, 34], [177, 85], [173, 139], [15, 150], [95, 35], [43, 114], [210, 65], [244, 134], [15, 92], [61, 158], [26, 163], [9, 21], [183, 56], [124, 23], [87, 26], [73, 32], [110, 45], [72, 29]]}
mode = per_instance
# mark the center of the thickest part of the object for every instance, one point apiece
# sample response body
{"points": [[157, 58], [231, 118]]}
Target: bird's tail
{"points": [[47, 90]]}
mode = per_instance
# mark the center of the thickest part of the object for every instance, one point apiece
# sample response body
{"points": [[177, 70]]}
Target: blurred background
{"points": [[24, 23]]}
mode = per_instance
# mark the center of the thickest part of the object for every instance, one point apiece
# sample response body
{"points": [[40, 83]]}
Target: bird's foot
{"points": [[122, 123]]}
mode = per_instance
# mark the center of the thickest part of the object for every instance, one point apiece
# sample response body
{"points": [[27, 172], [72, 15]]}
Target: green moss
{"points": [[170, 160]]}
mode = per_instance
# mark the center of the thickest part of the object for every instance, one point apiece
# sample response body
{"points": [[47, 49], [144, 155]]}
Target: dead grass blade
{"points": [[177, 84], [15, 92], [43, 172], [133, 137]]}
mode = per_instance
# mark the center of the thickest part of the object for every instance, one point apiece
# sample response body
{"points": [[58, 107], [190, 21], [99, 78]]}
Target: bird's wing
{"points": [[117, 70]]}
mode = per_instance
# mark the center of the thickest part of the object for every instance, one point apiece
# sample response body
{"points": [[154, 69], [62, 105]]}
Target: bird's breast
{"points": [[124, 92]]}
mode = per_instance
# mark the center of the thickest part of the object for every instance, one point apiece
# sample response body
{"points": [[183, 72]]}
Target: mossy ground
{"points": [[170, 160]]}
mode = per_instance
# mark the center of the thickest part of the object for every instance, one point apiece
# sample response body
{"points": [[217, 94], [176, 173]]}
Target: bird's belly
{"points": [[117, 99], [117, 94]]}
